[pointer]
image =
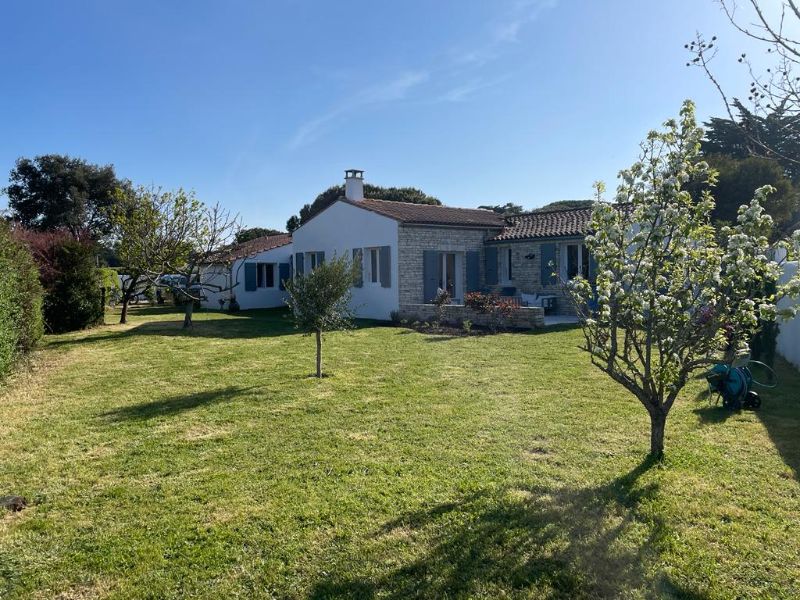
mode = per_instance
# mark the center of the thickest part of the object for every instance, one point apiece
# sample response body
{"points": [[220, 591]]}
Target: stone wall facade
{"points": [[526, 273], [414, 239], [455, 314]]}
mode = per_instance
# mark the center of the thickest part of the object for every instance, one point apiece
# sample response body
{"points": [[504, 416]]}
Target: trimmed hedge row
{"points": [[21, 324]]}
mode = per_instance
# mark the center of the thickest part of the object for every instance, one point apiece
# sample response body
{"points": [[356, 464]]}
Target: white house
{"points": [[255, 276], [343, 229], [407, 252]]}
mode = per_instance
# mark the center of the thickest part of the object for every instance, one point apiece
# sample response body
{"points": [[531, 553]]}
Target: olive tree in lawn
{"points": [[320, 300], [674, 294]]}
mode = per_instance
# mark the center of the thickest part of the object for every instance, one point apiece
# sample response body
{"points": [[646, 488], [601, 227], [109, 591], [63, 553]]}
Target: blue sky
{"points": [[261, 105]]}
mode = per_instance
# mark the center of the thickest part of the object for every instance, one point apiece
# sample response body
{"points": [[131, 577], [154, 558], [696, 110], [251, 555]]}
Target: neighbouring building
{"points": [[253, 272]]}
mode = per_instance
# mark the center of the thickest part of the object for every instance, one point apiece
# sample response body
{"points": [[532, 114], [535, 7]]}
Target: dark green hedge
{"points": [[73, 296], [20, 300]]}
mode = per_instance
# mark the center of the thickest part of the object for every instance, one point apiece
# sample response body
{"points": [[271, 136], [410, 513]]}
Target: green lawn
{"points": [[165, 464]]}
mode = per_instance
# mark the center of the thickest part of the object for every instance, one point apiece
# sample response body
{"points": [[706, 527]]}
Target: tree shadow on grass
{"points": [[779, 412], [565, 542], [261, 324], [433, 336], [711, 414], [173, 405]]}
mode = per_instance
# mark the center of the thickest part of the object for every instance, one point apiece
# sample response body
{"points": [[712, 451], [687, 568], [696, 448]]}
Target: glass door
{"points": [[447, 273]]}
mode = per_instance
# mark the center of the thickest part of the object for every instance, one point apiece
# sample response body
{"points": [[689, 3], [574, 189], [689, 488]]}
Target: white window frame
{"points": [[458, 284], [506, 260], [309, 261], [261, 275], [372, 276], [565, 260]]}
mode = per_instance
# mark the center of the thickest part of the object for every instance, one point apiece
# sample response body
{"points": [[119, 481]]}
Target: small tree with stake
{"points": [[673, 293], [320, 300]]}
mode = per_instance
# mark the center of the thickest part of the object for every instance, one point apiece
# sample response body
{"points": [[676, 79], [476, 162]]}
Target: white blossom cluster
{"points": [[671, 290]]}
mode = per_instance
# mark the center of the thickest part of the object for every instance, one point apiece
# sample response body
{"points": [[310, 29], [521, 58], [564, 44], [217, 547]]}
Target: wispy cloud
{"points": [[456, 79], [504, 31], [393, 90], [462, 92]]}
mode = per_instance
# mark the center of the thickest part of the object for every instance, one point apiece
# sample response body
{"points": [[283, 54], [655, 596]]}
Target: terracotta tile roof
{"points": [[563, 222], [431, 214], [254, 246]]}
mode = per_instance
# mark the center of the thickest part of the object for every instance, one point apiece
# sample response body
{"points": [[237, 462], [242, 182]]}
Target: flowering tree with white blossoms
{"points": [[673, 294]]}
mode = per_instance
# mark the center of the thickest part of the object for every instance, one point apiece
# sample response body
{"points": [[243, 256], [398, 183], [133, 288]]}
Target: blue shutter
{"points": [[385, 270], [250, 277], [491, 265], [284, 273], [548, 252], [430, 274], [358, 265], [473, 271], [320, 258], [299, 263]]}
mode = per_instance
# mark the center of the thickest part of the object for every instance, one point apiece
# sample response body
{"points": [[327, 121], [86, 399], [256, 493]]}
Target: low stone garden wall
{"points": [[525, 317]]}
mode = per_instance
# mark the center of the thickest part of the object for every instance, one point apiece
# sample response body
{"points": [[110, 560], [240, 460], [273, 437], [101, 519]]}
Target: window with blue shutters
{"points": [[312, 259], [377, 265], [265, 275]]}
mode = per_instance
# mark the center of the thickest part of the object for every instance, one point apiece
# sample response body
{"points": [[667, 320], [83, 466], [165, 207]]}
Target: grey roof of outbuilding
{"points": [[567, 222], [252, 247]]}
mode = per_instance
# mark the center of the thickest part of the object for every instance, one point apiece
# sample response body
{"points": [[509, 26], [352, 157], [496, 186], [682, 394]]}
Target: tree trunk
{"points": [[658, 423], [127, 294], [319, 353], [123, 317], [189, 310]]}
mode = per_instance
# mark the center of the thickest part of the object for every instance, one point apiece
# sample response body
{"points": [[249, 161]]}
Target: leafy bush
{"points": [[73, 288], [498, 309], [20, 300], [478, 301], [74, 299], [109, 278]]}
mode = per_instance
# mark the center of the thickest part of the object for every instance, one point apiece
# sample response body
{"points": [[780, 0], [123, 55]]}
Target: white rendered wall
{"points": [[342, 227], [789, 337], [260, 297], [215, 275]]}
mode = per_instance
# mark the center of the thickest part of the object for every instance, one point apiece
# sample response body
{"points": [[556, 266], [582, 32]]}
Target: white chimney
{"points": [[354, 185]]}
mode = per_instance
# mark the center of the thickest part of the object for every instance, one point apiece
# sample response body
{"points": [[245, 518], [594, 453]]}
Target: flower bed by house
{"points": [[454, 314]]}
